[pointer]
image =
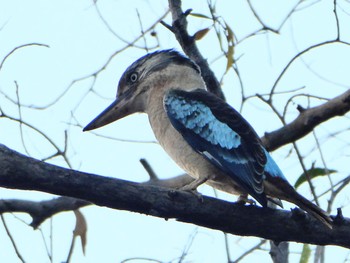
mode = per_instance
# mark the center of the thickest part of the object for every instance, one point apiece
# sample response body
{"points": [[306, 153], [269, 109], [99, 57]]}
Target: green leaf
{"points": [[305, 254], [313, 173]]}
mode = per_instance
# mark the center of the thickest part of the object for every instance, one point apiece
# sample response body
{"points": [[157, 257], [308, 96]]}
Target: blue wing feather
{"points": [[272, 168], [221, 135]]}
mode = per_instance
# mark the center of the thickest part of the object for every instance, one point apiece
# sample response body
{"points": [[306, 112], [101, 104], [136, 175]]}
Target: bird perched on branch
{"points": [[205, 136]]}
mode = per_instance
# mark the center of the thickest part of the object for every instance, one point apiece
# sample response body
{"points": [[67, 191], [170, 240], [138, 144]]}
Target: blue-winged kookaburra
{"points": [[205, 136]]}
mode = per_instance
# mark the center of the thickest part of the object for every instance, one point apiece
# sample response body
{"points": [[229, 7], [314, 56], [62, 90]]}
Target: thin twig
{"points": [[336, 18], [19, 47], [188, 245], [20, 119], [329, 42], [11, 238], [142, 31], [323, 162], [59, 152], [45, 244], [149, 170], [227, 248], [246, 253], [106, 63], [305, 171], [300, 158]]}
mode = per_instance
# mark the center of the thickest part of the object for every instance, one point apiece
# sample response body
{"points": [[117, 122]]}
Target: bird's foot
{"points": [[272, 202], [243, 199], [192, 191], [192, 188]]}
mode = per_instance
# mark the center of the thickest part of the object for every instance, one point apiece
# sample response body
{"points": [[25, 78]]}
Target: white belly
{"points": [[179, 150], [190, 161]]}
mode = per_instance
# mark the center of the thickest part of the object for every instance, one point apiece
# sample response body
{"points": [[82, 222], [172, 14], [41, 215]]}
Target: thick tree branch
{"points": [[301, 126], [20, 172], [297, 129], [188, 44], [307, 121], [40, 211]]}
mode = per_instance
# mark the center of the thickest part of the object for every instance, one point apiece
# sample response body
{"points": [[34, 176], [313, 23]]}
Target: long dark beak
{"points": [[117, 110]]}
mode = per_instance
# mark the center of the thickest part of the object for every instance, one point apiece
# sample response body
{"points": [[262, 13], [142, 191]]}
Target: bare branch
{"points": [[265, 27], [104, 65], [188, 44], [19, 47], [11, 239], [58, 152], [152, 175], [301, 53], [246, 253], [20, 172], [307, 121], [336, 18], [279, 252], [40, 211]]}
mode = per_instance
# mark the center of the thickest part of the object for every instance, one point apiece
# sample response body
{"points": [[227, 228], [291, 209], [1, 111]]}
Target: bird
{"points": [[202, 133]]}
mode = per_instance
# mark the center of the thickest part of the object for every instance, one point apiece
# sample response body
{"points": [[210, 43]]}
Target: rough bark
{"points": [[307, 121], [301, 126], [20, 172], [188, 45], [40, 211]]}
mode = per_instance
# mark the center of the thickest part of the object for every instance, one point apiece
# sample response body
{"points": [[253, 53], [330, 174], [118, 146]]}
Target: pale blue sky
{"points": [[80, 44]]}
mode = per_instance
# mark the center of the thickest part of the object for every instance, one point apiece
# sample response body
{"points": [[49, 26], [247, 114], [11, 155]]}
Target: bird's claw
{"points": [[192, 191], [243, 199]]}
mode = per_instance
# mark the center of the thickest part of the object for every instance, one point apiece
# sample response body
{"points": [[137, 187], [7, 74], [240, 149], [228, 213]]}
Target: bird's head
{"points": [[151, 74]]}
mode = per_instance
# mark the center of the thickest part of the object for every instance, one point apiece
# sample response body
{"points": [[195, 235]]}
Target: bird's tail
{"points": [[288, 193], [312, 209]]}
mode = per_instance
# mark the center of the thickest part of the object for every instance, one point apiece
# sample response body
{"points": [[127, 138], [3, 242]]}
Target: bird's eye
{"points": [[133, 77]]}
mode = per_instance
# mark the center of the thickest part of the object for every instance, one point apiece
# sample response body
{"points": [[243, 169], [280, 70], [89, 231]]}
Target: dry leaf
{"points": [[201, 33], [230, 46], [80, 228], [200, 16]]}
